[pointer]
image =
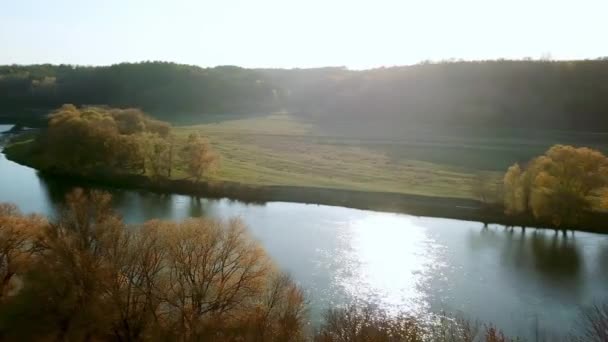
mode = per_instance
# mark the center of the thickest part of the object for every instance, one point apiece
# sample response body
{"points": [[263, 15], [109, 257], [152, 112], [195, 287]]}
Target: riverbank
{"points": [[418, 205]]}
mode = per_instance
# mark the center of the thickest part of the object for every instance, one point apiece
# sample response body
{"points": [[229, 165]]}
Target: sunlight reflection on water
{"points": [[387, 262]]}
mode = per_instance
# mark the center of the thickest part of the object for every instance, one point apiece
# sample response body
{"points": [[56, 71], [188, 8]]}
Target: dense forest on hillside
{"points": [[532, 94], [157, 86]]}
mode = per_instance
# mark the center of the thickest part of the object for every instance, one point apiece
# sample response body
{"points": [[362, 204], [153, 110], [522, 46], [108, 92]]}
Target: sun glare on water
{"points": [[389, 259]]}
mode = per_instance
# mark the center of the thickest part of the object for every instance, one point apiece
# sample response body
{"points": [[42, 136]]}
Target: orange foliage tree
{"points": [[199, 156], [559, 186], [18, 246], [94, 278]]}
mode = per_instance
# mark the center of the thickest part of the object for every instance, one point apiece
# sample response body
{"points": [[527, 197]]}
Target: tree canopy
{"points": [[96, 138], [559, 186], [86, 276], [110, 140]]}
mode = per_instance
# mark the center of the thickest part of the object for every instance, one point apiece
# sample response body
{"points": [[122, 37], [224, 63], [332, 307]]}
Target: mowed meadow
{"points": [[284, 149]]}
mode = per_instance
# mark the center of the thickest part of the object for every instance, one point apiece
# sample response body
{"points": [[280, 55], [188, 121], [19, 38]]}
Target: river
{"points": [[522, 281]]}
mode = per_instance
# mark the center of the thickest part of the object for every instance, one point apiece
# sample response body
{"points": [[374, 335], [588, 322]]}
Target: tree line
{"points": [[151, 86], [568, 95], [102, 139], [86, 275]]}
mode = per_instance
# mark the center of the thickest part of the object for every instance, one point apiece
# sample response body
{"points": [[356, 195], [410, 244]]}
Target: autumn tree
{"points": [[94, 139], [365, 322], [198, 156], [368, 323], [136, 282], [100, 140], [514, 198], [281, 314], [558, 186], [131, 155], [213, 271], [80, 139], [96, 279], [157, 153], [18, 246], [75, 265], [604, 199]]}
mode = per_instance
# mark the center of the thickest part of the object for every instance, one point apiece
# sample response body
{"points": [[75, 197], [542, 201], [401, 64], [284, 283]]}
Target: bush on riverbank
{"points": [[367, 323]]}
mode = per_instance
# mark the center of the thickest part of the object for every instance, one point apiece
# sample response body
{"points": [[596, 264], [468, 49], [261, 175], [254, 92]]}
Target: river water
{"points": [[522, 281]]}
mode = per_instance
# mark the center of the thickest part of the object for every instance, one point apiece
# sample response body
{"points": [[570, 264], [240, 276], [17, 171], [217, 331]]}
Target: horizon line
{"points": [[422, 62]]}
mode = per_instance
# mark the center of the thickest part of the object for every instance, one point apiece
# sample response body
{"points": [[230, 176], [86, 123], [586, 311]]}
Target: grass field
{"points": [[278, 149]]}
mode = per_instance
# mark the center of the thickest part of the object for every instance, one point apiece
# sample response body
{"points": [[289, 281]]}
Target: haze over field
{"points": [[285, 34]]}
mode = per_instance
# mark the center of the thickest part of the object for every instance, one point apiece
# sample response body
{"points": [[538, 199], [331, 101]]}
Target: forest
{"points": [[151, 86], [561, 95]]}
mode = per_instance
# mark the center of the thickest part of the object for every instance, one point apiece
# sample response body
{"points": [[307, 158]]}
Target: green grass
{"points": [[279, 149]]}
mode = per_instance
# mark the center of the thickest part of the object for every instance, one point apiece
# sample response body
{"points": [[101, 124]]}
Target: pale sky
{"points": [[307, 33]]}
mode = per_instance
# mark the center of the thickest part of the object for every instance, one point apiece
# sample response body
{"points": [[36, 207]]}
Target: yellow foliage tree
{"points": [[558, 186], [513, 191], [95, 279], [157, 153], [199, 156], [18, 245], [94, 138]]}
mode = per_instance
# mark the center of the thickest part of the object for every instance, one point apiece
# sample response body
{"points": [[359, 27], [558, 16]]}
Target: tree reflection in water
{"points": [[536, 254], [555, 256]]}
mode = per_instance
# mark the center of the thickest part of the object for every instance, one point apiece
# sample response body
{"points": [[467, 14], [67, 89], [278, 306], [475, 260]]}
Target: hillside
{"points": [[565, 95]]}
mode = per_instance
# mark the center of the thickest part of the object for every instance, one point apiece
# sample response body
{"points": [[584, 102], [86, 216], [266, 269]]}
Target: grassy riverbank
{"points": [[278, 158], [280, 149]]}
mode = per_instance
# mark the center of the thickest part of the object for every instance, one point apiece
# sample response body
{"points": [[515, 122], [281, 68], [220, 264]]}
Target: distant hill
{"points": [[153, 86], [565, 95]]}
